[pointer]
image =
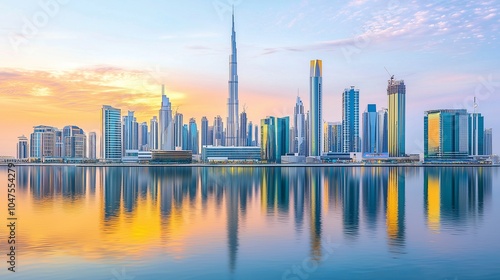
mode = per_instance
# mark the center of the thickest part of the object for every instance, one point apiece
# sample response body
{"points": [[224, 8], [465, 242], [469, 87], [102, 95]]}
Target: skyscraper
{"points": [[299, 128], [143, 136], [382, 142], [75, 142], [446, 134], [193, 137], [249, 134], [59, 143], [204, 131], [92, 145], [178, 130], [396, 91], [130, 132], [488, 141], [350, 120], [243, 129], [370, 129], [185, 137], [476, 134], [333, 137], [22, 147], [218, 132], [232, 102], [275, 138], [166, 124], [111, 133], [256, 136], [315, 113], [153, 134], [42, 142]]}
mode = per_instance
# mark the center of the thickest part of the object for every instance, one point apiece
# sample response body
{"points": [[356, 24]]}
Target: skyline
{"points": [[131, 88]]}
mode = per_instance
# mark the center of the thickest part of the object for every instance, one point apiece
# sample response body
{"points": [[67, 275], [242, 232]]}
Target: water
{"points": [[254, 223]]}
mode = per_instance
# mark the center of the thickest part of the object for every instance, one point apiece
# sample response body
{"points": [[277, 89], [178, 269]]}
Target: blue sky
{"points": [[446, 51]]}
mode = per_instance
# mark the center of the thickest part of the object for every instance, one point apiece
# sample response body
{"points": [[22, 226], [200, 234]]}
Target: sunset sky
{"points": [[62, 60]]}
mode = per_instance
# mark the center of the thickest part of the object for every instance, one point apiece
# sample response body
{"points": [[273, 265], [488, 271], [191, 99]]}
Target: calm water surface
{"points": [[254, 223]]}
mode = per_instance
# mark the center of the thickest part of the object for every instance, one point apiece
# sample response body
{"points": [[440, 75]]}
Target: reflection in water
{"points": [[160, 207], [455, 196]]}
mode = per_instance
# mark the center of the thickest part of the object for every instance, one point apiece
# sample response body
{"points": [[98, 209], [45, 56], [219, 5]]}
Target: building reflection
{"points": [[315, 186], [374, 182], [454, 197], [395, 209]]}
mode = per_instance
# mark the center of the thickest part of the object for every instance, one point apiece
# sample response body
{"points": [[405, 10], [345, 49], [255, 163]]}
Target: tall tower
{"points": [[350, 120], [243, 129], [111, 133], [370, 129], [232, 101], [166, 124], [315, 113], [153, 133], [396, 91], [299, 127]]}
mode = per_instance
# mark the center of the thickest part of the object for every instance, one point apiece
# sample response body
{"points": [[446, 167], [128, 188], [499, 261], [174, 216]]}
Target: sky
{"points": [[61, 60]]}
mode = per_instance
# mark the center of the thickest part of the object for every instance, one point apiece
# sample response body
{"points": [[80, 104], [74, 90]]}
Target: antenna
{"points": [[475, 105], [245, 107]]}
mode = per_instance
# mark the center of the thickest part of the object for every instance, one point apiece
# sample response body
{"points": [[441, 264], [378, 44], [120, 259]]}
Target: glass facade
{"points": [[315, 113], [350, 120], [396, 90], [231, 153], [111, 133], [476, 134], [446, 134], [370, 129]]}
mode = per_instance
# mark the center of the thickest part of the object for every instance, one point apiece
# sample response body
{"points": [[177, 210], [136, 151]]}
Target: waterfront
{"points": [[255, 222]]}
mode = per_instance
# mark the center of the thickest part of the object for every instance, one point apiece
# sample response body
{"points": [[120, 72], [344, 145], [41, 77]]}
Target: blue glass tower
{"points": [[315, 112], [350, 120]]}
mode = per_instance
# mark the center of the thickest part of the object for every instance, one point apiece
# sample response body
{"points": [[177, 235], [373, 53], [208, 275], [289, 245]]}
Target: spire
{"points": [[162, 89], [233, 18]]}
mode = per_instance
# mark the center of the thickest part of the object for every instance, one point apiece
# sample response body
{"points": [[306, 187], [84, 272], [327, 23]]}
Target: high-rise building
{"points": [[249, 134], [299, 128], [59, 144], [92, 145], [370, 129], [333, 137], [256, 136], [307, 133], [43, 142], [193, 137], [22, 147], [476, 134], [210, 135], [185, 137], [218, 132], [382, 141], [111, 133], [396, 91], [315, 112], [143, 137], [275, 138], [204, 131], [243, 129], [130, 132], [488, 141], [232, 101], [153, 134], [350, 120], [75, 142], [166, 130], [178, 130], [446, 134]]}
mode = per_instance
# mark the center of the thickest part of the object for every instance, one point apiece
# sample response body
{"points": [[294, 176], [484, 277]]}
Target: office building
{"points": [[178, 130], [204, 131], [153, 134], [299, 128], [315, 111], [166, 125], [92, 145], [275, 138], [130, 132], [476, 134], [218, 132], [488, 142], [111, 133], [332, 137], [193, 137], [370, 130], [43, 142], [382, 141], [243, 129], [143, 137], [22, 147], [185, 138], [249, 135], [75, 142], [446, 134], [396, 91], [350, 120], [230, 154]]}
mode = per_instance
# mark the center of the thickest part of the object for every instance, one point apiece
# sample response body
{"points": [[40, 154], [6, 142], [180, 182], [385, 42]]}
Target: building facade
{"points": [[111, 133], [166, 124], [370, 130], [315, 110], [446, 134], [396, 91], [92, 147], [350, 120], [22, 147]]}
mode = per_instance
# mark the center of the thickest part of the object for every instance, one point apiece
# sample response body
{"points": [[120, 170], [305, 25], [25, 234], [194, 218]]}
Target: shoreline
{"points": [[260, 165]]}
